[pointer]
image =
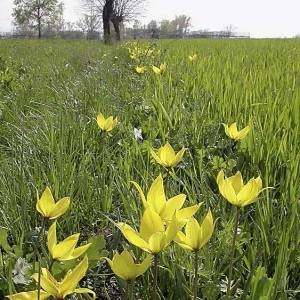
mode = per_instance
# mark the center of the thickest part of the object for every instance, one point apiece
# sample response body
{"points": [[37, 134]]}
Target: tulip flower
{"points": [[156, 200], [234, 190], [159, 70], [153, 236], [192, 57], [240, 195], [58, 290], [233, 132], [106, 124], [140, 70], [48, 208], [124, 267], [166, 156], [196, 236], [64, 250]]}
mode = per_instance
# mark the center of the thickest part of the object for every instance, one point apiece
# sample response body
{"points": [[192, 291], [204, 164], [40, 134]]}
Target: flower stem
{"points": [[39, 280], [155, 269], [196, 265], [167, 181], [40, 241], [237, 217], [129, 290]]}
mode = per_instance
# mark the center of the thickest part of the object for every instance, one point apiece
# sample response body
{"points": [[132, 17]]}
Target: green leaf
{"points": [[3, 240], [261, 285], [97, 250], [59, 269]]}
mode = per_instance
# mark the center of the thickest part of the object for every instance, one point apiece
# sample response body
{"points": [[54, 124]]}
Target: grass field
{"points": [[50, 95]]}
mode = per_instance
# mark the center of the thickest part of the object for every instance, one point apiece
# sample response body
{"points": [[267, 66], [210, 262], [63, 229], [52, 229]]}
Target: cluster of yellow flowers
{"points": [[58, 251], [138, 55], [163, 220], [136, 52]]}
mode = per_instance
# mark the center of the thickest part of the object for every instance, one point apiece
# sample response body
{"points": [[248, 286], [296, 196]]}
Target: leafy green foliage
{"points": [[49, 136]]}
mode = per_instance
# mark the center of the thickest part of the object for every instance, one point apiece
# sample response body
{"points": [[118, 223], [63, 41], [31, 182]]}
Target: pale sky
{"points": [[261, 18]]}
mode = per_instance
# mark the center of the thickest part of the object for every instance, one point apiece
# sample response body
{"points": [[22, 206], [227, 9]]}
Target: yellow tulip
{"points": [[233, 132], [156, 200], [59, 290], [234, 190], [159, 70], [47, 206], [124, 267], [196, 236], [64, 250], [166, 156], [153, 236], [193, 57], [106, 124], [140, 70]]}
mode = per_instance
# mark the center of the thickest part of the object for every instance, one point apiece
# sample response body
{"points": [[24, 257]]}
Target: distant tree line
{"points": [[44, 18]]}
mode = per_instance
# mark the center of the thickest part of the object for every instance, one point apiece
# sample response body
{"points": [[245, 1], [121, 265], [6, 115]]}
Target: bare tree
{"points": [[90, 22], [125, 11], [107, 13], [118, 12], [180, 25], [36, 13]]}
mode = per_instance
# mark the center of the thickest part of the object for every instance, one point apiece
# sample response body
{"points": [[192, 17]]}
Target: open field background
{"points": [[51, 93]]}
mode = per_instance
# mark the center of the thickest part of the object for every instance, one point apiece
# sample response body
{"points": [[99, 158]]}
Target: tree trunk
{"points": [[39, 20], [116, 24], [39, 28], [106, 15]]}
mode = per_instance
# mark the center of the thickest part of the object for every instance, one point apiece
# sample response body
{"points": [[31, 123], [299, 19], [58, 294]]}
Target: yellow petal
{"points": [[156, 196], [236, 182], [226, 189], [226, 129], [145, 204], [173, 204], [133, 237], [250, 191], [156, 157], [206, 230], [48, 283], [178, 157], [187, 212], [46, 203], [72, 278], [123, 265], [109, 123], [144, 266], [156, 70], [192, 231], [157, 242], [32, 295], [64, 249], [173, 228], [80, 250], [167, 154], [182, 241], [220, 177], [243, 133], [101, 121], [151, 222], [60, 208], [233, 132]]}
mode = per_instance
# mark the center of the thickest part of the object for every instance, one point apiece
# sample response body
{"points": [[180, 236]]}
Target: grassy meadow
{"points": [[50, 95]]}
